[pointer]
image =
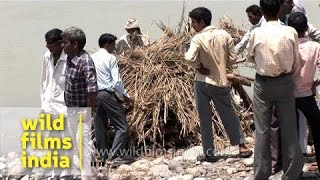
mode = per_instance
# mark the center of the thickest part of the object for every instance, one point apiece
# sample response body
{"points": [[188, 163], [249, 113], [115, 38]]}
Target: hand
{"points": [[314, 86], [128, 100], [203, 71]]}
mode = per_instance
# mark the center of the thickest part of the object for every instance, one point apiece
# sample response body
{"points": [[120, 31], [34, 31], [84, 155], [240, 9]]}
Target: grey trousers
{"points": [[278, 92], [220, 96], [108, 107]]}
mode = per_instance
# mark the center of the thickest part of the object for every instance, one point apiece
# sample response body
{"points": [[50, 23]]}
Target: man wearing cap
{"points": [[133, 39]]}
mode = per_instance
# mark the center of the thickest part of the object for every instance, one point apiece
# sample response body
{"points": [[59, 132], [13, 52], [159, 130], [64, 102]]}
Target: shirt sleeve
{"points": [[89, 72], [313, 33], [43, 81], [251, 48], [191, 56], [241, 46], [117, 85], [296, 61], [232, 52]]}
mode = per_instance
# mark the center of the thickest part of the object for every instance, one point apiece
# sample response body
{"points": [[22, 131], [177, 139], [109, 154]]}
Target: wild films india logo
{"points": [[37, 137]]}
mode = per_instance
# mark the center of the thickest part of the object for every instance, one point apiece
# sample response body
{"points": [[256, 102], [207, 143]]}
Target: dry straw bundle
{"points": [[157, 77]]}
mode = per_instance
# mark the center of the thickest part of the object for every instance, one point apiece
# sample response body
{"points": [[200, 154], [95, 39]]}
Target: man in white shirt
{"points": [[256, 19], [274, 49], [53, 81], [109, 101]]}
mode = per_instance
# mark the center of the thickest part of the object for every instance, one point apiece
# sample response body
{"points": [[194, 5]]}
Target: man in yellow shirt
{"points": [[211, 52]]}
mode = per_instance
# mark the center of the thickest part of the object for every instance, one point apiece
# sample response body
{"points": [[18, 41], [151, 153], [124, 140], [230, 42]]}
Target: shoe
{"points": [[206, 158], [245, 154], [118, 161]]}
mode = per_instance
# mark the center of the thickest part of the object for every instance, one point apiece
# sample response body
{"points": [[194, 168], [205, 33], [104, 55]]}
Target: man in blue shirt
{"points": [[110, 98]]}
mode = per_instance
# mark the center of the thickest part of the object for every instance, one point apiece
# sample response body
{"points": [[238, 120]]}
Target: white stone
{"points": [[176, 177], [248, 162], [12, 155], [199, 178], [187, 177], [178, 158], [173, 164], [141, 165], [3, 159], [192, 153], [160, 170], [124, 168], [158, 161], [2, 166], [206, 163], [231, 170], [15, 167], [218, 179], [25, 177], [196, 171], [232, 160]]}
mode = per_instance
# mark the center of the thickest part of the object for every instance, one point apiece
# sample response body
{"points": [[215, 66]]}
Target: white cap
{"points": [[132, 23]]}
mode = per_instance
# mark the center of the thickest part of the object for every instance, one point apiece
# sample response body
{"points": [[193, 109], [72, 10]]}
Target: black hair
{"points": [[270, 8], [53, 35], [299, 22], [201, 13], [254, 9], [106, 38]]}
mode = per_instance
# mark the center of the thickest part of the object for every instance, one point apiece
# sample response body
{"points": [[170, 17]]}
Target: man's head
{"points": [[132, 26], [54, 41], [108, 42], [254, 14], [74, 40], [270, 8], [286, 7], [200, 18], [299, 22]]}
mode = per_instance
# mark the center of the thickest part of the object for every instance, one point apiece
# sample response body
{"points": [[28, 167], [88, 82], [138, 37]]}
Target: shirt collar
{"points": [[62, 57], [274, 22], [76, 59], [207, 29]]}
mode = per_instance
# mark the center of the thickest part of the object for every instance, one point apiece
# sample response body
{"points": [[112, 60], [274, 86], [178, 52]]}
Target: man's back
{"points": [[214, 49], [274, 48]]}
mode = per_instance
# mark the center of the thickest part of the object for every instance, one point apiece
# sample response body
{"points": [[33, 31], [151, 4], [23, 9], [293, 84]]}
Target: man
{"points": [[304, 77], [53, 80], [287, 7], [133, 39], [255, 18], [210, 53], [274, 49], [109, 102], [80, 91]]}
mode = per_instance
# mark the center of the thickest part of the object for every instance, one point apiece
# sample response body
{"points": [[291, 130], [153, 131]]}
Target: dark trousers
{"points": [[221, 98], [108, 107], [308, 106], [268, 93]]}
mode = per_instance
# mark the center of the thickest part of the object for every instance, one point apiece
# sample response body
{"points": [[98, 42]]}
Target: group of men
{"points": [[73, 80], [284, 80], [285, 63]]}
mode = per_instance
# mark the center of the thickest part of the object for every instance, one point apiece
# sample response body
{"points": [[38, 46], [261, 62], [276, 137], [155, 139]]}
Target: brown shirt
{"points": [[214, 49]]}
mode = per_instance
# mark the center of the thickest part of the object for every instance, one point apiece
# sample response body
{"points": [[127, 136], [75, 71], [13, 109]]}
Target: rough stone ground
{"points": [[179, 166]]}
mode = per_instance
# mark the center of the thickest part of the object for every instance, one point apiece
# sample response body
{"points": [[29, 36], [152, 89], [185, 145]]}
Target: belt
{"points": [[272, 77], [106, 90]]}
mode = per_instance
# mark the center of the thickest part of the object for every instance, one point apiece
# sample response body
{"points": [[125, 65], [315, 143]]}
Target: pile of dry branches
{"points": [[161, 83]]}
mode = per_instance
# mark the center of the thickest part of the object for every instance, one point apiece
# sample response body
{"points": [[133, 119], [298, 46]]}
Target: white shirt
{"points": [[241, 46], [108, 75], [53, 84], [274, 49]]}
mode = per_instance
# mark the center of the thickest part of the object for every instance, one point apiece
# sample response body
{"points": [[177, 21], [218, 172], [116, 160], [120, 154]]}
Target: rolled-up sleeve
{"points": [[191, 56], [90, 75]]}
